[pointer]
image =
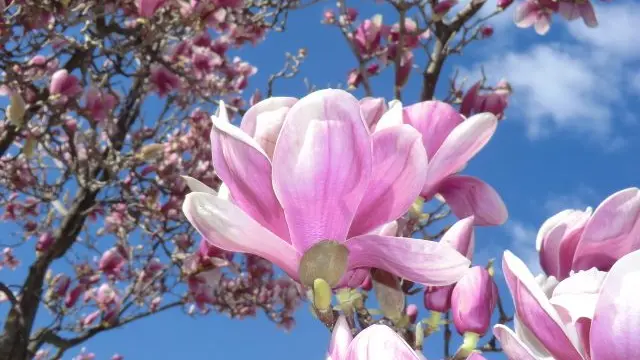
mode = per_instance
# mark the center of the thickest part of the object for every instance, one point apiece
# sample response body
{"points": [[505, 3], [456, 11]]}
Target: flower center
{"points": [[326, 260]]}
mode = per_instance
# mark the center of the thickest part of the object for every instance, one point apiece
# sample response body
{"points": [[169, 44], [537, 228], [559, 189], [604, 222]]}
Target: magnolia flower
{"points": [[575, 240], [309, 185], [591, 315], [451, 141], [536, 13], [373, 343], [64, 84], [147, 8]]}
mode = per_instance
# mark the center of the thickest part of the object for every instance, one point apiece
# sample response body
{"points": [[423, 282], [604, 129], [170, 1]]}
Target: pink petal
{"points": [[557, 240], [264, 120], [616, 324], [340, 339], [420, 261], [512, 346], [569, 10], [576, 296], [588, 14], [246, 170], [197, 186], [612, 232], [372, 110], [467, 195], [146, 8], [392, 117], [543, 23], [526, 14], [226, 226], [466, 140], [460, 236], [434, 120], [535, 311], [399, 168], [469, 100], [322, 166], [380, 342]]}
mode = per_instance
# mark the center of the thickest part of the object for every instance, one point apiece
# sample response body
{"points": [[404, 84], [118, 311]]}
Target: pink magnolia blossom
{"points": [[574, 9], [99, 104], [591, 315], [477, 101], [112, 262], [376, 342], [147, 8], [329, 181], [574, 240], [536, 13], [473, 300], [451, 141], [164, 80], [64, 84], [368, 35], [44, 242]]}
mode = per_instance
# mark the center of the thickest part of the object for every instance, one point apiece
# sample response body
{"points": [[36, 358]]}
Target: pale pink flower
{"points": [[328, 181], [99, 104], [589, 315], [64, 84], [536, 13], [376, 342], [574, 240], [451, 141], [112, 262]]}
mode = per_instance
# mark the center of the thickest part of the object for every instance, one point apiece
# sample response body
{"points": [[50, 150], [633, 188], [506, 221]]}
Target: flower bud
{"points": [[438, 298], [412, 313], [503, 4], [472, 301], [557, 240], [321, 295]]}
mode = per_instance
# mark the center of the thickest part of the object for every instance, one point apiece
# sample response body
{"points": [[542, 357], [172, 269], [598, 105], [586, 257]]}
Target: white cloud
{"points": [[579, 199], [575, 85], [523, 243]]}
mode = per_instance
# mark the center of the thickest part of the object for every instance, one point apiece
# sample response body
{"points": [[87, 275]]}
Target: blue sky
{"points": [[569, 140]]}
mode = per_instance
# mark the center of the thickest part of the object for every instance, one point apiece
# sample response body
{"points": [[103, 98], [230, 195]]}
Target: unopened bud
{"points": [[321, 295], [419, 335], [326, 260], [412, 313], [438, 298], [472, 301], [503, 4]]}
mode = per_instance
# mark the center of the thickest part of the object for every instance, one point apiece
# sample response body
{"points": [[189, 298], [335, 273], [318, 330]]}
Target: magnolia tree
{"points": [[127, 190]]}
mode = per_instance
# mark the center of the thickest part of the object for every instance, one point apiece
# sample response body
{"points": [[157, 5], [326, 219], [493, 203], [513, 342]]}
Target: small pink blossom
{"points": [[164, 80], [64, 84], [99, 104]]}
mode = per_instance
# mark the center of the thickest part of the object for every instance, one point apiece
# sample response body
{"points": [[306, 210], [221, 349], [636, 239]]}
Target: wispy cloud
{"points": [[582, 197], [575, 80]]}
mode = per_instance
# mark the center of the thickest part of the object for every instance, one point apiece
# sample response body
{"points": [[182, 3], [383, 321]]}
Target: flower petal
{"points": [[526, 14], [245, 169], [340, 339], [264, 120], [420, 261], [512, 346], [434, 120], [322, 166], [196, 185], [392, 117], [380, 342], [535, 311], [576, 296], [467, 195], [616, 324], [226, 226], [399, 168], [372, 110], [458, 148], [612, 232]]}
